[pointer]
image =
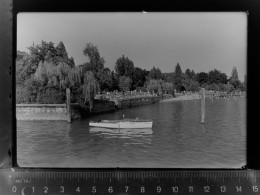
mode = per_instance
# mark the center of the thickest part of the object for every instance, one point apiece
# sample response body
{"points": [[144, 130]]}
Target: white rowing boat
{"points": [[123, 124]]}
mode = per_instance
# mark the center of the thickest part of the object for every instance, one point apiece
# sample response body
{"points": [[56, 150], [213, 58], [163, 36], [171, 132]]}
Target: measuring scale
{"points": [[117, 181]]}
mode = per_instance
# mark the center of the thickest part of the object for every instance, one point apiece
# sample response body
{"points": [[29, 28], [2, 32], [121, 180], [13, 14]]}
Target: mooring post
{"points": [[202, 105], [68, 105]]}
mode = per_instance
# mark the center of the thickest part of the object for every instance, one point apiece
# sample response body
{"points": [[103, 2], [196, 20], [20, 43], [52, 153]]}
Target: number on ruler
{"points": [[142, 189], [255, 188], [159, 189], [62, 189], [206, 189], [190, 188], [126, 188], [94, 190], [14, 189], [110, 189], [239, 188], [175, 189], [223, 189], [45, 190], [78, 189]]}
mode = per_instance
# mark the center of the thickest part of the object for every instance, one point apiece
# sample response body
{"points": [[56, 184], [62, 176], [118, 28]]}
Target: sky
{"points": [[200, 41]]}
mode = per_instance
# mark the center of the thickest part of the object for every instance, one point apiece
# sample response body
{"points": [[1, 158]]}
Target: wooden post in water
{"points": [[202, 105], [68, 105]]}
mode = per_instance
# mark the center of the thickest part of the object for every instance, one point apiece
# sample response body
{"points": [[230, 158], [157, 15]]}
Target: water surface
{"points": [[177, 139]]}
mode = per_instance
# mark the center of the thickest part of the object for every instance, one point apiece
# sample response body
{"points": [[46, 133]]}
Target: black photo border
{"points": [[8, 151]]}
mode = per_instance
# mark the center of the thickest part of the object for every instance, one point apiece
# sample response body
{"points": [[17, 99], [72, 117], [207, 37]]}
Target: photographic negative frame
{"points": [[8, 152]]}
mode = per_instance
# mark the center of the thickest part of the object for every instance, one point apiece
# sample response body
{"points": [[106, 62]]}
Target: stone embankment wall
{"points": [[45, 111], [59, 111], [135, 101], [103, 106]]}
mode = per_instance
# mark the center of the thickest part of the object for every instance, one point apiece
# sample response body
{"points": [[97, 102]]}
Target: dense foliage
{"points": [[90, 88], [43, 75], [178, 78]]}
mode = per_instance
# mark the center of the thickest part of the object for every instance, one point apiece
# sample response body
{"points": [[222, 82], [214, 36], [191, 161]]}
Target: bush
{"points": [[191, 85], [168, 87], [125, 83], [154, 86], [213, 87], [25, 96], [51, 96]]}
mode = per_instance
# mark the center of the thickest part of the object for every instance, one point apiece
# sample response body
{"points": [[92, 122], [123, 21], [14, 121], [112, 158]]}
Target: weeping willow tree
{"points": [[90, 88], [61, 76]]}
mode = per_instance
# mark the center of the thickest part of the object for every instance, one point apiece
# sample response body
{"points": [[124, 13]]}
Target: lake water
{"points": [[177, 139]]}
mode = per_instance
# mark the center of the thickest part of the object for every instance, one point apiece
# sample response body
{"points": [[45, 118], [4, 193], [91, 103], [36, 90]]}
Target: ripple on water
{"points": [[177, 140]]}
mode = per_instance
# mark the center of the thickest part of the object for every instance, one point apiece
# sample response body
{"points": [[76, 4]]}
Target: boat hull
{"points": [[123, 125], [122, 132]]}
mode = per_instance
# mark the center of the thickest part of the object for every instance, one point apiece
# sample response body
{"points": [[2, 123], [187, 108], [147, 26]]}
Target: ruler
{"points": [[74, 181]]}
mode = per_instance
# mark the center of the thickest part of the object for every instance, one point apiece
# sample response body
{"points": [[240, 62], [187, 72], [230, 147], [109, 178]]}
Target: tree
{"points": [[28, 92], [234, 78], [90, 88], [20, 55], [215, 76], [61, 50], [27, 66], [213, 87], [154, 86], [45, 52], [124, 83], [61, 75], [44, 74], [228, 88], [124, 67], [188, 72], [95, 62], [194, 86], [202, 78], [61, 55], [104, 78], [155, 73], [169, 77], [234, 74], [139, 77], [54, 79], [223, 78], [42, 52], [168, 87], [193, 75], [245, 82], [115, 81], [178, 79], [24, 69], [190, 84]]}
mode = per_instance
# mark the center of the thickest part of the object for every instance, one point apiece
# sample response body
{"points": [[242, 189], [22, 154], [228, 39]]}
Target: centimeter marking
{"points": [[119, 175], [56, 181], [32, 174]]}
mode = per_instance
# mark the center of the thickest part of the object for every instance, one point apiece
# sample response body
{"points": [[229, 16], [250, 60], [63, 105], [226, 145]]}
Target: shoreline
{"points": [[182, 98]]}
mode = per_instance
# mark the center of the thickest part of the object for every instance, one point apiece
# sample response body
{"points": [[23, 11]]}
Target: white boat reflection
{"points": [[121, 132]]}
